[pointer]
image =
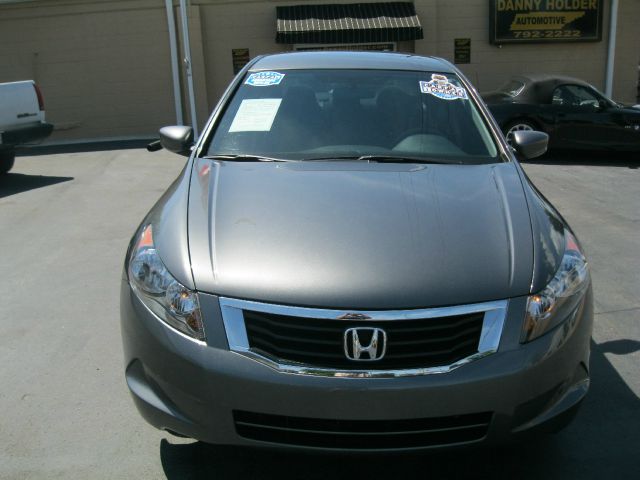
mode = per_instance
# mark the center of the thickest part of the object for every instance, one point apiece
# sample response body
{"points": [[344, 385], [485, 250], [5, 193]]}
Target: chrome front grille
{"points": [[314, 341], [418, 343]]}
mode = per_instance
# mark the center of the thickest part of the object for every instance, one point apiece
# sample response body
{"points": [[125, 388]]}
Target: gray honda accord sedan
{"points": [[351, 260]]}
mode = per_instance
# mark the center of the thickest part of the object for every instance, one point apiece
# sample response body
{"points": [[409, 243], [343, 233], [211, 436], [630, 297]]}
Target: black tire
{"points": [[522, 124], [7, 159]]}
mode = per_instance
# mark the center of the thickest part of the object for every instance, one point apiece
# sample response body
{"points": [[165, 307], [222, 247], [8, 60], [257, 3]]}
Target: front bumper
{"points": [[196, 389]]}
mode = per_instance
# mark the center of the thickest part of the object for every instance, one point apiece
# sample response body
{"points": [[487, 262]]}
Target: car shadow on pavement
{"points": [[602, 442], [13, 183], [95, 146], [598, 159]]}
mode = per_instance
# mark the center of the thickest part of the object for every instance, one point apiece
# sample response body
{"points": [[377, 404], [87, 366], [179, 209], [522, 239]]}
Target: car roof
{"points": [[549, 79], [539, 87], [351, 60]]}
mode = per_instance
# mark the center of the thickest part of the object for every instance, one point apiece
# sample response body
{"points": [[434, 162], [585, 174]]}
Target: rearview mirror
{"points": [[177, 139], [530, 143]]}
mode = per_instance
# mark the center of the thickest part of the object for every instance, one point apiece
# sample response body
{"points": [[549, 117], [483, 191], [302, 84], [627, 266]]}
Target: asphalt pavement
{"points": [[65, 411]]}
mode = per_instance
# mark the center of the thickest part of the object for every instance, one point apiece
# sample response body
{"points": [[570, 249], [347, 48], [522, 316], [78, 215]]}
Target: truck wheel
{"points": [[7, 158]]}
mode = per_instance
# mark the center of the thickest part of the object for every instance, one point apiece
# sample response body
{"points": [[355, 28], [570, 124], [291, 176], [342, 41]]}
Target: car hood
{"points": [[627, 105], [631, 109], [496, 97], [359, 235]]}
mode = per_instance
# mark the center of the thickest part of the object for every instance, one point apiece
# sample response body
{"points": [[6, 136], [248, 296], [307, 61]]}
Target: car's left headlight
{"points": [[171, 301], [559, 299]]}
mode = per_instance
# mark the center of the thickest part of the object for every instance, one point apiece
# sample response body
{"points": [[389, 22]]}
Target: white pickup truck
{"points": [[21, 119]]}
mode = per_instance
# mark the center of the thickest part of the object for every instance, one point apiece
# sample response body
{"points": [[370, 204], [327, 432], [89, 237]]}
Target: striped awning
{"points": [[348, 23]]}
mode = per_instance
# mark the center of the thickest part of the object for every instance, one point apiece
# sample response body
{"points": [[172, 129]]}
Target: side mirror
{"points": [[177, 139], [530, 143], [602, 104]]}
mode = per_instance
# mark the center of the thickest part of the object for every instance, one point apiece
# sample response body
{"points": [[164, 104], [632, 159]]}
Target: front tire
{"points": [[7, 159]]}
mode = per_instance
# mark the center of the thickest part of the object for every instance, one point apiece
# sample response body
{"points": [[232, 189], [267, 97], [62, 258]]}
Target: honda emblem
{"points": [[374, 349]]}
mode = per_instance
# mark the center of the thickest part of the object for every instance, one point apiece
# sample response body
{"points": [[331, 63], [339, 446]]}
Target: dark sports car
{"points": [[574, 114]]}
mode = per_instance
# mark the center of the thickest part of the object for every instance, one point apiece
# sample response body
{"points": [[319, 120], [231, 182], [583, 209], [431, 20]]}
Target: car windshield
{"points": [[359, 114], [610, 101], [513, 88]]}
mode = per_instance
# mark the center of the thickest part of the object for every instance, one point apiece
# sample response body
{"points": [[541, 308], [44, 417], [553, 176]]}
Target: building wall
{"points": [[625, 78], [104, 66], [229, 25], [445, 20], [251, 24], [491, 64]]}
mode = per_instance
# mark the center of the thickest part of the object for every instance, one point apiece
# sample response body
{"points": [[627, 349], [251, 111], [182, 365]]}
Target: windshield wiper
{"points": [[383, 159], [364, 158], [400, 159], [245, 158]]}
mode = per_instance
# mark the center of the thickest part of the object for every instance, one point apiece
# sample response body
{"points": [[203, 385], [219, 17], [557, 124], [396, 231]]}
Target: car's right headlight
{"points": [[171, 301], [558, 300]]}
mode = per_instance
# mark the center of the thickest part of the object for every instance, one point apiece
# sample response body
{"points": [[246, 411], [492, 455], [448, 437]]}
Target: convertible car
{"points": [[573, 113]]}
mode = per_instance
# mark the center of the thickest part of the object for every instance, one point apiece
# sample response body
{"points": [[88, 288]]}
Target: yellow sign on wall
{"points": [[528, 21]]}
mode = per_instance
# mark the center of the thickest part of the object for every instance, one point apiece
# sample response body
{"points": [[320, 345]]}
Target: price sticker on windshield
{"points": [[255, 115]]}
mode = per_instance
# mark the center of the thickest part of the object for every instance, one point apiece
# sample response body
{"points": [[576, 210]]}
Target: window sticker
{"points": [[255, 115], [264, 79], [439, 86]]}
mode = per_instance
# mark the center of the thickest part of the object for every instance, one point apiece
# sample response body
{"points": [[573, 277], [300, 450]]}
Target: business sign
{"points": [[462, 50], [545, 21], [240, 58]]}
